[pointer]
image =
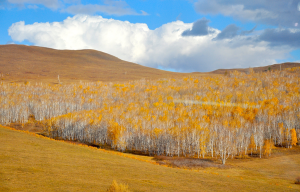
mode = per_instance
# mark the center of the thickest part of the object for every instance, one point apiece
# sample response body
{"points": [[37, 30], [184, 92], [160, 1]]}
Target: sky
{"points": [[174, 35]]}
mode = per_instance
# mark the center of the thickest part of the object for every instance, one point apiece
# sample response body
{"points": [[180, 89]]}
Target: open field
{"points": [[181, 122], [30, 163]]}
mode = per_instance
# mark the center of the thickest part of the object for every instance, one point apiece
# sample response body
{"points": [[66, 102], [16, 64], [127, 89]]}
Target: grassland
{"points": [[30, 163], [33, 163], [20, 63]]}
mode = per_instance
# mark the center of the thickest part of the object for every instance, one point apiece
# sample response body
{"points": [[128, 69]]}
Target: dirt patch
{"points": [[31, 125], [189, 163]]}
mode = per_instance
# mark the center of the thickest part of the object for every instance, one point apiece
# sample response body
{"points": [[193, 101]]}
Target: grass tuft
{"points": [[115, 187]]}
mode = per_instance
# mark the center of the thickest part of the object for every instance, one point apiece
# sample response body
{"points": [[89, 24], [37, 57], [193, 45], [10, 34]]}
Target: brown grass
{"points": [[188, 163], [275, 67], [31, 64], [115, 187], [30, 163]]}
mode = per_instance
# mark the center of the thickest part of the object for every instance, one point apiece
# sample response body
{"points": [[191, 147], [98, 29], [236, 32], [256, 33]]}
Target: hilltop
{"points": [[20, 63], [275, 67]]}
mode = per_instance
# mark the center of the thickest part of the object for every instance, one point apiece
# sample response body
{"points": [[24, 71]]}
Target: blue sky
{"points": [[177, 35]]}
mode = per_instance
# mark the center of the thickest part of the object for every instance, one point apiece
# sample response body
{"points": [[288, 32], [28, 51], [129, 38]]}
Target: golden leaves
{"points": [[293, 137], [236, 102]]}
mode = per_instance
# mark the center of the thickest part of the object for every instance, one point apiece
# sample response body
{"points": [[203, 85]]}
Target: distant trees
{"points": [[141, 115]]}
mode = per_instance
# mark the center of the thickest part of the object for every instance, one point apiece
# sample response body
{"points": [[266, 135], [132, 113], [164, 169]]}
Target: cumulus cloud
{"points": [[200, 28], [229, 32], [53, 4], [247, 32], [163, 47], [281, 37], [110, 8], [275, 12]]}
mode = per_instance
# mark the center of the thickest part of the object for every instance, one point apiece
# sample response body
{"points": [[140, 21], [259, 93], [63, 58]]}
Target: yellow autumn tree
{"points": [[268, 145], [252, 145], [294, 137]]}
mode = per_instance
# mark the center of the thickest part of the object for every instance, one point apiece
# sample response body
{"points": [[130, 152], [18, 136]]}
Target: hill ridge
{"points": [[276, 66], [39, 64], [22, 63]]}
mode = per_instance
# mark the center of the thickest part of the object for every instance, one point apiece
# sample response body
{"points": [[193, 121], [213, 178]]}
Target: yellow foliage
{"points": [[115, 187], [138, 110], [294, 137], [157, 131], [252, 144], [268, 145]]}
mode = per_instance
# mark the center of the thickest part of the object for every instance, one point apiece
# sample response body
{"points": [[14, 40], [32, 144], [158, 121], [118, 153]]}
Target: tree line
{"points": [[231, 115]]}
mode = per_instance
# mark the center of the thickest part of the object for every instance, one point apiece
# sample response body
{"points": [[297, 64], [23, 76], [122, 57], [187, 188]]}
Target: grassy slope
{"points": [[20, 63], [29, 163], [274, 67]]}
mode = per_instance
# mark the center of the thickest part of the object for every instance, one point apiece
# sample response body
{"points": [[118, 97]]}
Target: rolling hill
{"points": [[274, 67], [31, 163], [20, 63]]}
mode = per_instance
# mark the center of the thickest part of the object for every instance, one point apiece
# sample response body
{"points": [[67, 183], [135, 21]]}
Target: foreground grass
{"points": [[29, 163]]}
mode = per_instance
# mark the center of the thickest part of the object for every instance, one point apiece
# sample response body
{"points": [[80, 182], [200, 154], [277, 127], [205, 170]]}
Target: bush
{"points": [[297, 180], [115, 187]]}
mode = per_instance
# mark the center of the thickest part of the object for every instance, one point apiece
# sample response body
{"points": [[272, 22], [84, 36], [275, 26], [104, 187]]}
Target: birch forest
{"points": [[221, 116]]}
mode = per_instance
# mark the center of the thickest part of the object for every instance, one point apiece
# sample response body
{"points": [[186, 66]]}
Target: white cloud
{"points": [[275, 12], [213, 7], [164, 46]]}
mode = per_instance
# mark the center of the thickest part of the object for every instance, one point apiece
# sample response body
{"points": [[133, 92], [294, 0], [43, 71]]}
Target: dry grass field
{"points": [[274, 67], [21, 63], [31, 163]]}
